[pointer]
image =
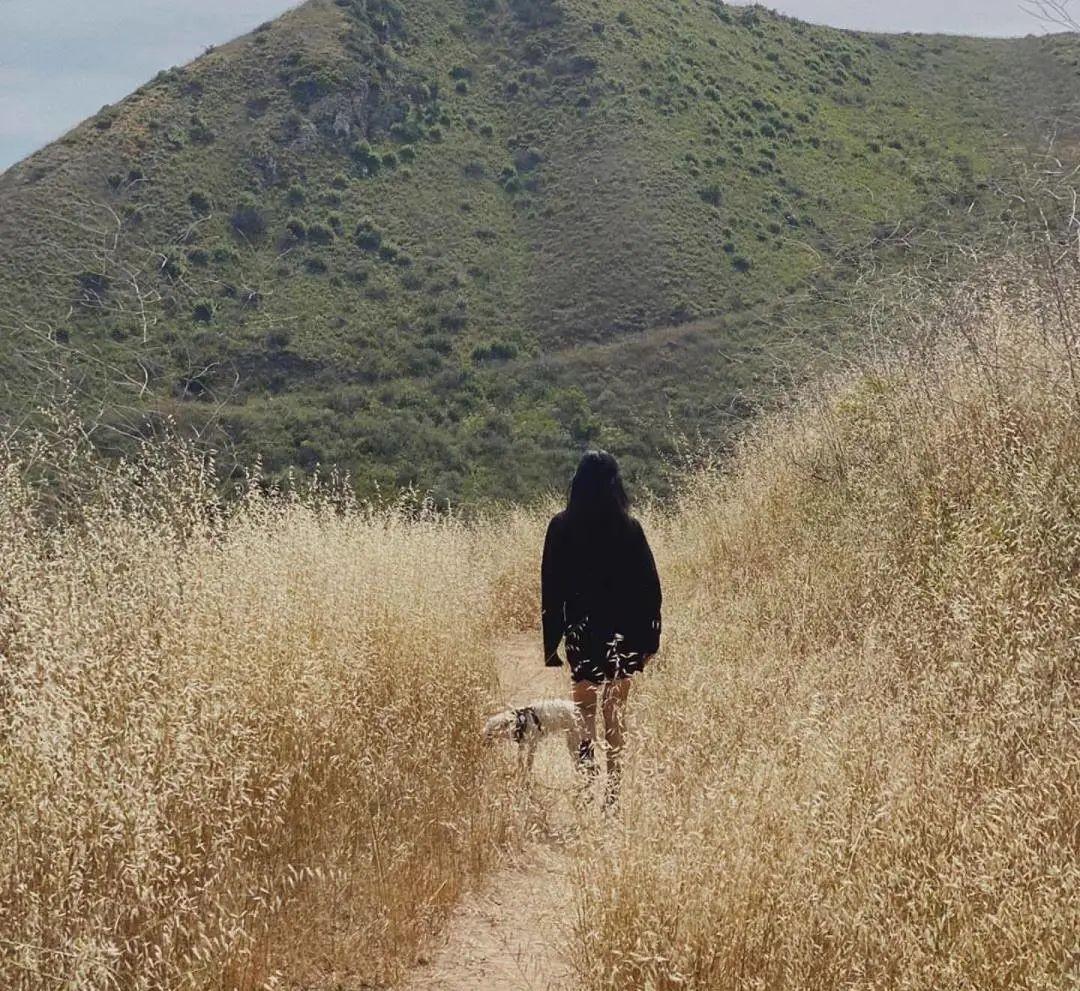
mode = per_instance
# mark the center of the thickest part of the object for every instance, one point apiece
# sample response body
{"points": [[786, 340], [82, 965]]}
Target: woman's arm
{"points": [[552, 595]]}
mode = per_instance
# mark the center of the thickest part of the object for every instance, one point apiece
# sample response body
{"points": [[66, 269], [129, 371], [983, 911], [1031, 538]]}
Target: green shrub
{"points": [[295, 196], [462, 87], [527, 159], [172, 265], [297, 228], [203, 311], [407, 131], [199, 257], [407, 153], [224, 255], [310, 86], [389, 160], [741, 263], [340, 181], [494, 351], [536, 13], [291, 125], [200, 202], [712, 194], [367, 237], [199, 131], [365, 157], [320, 234], [247, 218]]}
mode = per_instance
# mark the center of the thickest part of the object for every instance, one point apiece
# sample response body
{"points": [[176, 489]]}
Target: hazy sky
{"points": [[998, 18], [61, 60]]}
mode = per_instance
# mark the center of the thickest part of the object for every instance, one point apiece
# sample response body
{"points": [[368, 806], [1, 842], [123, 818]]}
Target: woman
{"points": [[601, 591]]}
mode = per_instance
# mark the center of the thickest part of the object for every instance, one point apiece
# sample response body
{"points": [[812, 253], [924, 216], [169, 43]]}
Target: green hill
{"points": [[448, 242]]}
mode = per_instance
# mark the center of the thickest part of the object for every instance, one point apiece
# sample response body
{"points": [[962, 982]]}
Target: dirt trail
{"points": [[508, 935]]}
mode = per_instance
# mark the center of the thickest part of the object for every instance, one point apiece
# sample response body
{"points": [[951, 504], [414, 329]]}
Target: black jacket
{"points": [[600, 574]]}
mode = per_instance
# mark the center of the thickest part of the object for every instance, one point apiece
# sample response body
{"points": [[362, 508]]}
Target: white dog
{"points": [[528, 724]]}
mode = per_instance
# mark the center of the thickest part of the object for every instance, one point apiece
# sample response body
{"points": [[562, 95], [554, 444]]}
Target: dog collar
{"points": [[521, 722]]}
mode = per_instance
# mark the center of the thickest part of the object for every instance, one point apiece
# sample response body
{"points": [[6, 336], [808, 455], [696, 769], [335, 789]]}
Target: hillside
{"points": [[242, 745], [449, 241]]}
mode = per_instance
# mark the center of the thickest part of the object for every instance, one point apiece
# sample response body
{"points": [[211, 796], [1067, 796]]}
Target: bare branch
{"points": [[1057, 12]]}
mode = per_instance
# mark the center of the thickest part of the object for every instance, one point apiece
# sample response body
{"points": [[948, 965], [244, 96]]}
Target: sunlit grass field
{"points": [[237, 747], [239, 742], [857, 765]]}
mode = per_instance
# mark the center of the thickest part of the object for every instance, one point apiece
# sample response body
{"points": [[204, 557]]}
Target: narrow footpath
{"points": [[509, 935]]}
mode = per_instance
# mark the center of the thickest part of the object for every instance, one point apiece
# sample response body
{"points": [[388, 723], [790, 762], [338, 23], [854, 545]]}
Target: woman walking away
{"points": [[601, 591]]}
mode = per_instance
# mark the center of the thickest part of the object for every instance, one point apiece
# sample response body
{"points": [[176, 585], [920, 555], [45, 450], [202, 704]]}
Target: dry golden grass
{"points": [[236, 752], [858, 763], [241, 750]]}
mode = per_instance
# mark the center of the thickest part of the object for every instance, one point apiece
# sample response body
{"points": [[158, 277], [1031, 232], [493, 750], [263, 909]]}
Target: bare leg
{"points": [[584, 694], [615, 695]]}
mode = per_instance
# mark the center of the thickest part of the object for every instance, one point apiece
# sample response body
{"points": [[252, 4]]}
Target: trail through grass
{"points": [[511, 934]]}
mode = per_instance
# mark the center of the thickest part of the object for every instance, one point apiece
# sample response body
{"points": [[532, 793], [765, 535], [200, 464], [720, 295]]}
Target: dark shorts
{"points": [[599, 655], [584, 667]]}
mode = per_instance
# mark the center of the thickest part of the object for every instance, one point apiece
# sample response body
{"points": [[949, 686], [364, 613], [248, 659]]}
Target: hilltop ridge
{"points": [[448, 243]]}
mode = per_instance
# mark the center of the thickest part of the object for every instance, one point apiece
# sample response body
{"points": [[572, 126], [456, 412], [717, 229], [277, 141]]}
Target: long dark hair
{"points": [[597, 491]]}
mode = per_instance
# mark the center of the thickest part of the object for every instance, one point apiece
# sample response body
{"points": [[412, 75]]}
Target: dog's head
{"points": [[501, 726]]}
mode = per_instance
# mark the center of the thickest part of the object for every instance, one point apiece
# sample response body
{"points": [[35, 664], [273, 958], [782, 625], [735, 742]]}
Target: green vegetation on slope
{"points": [[450, 242]]}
